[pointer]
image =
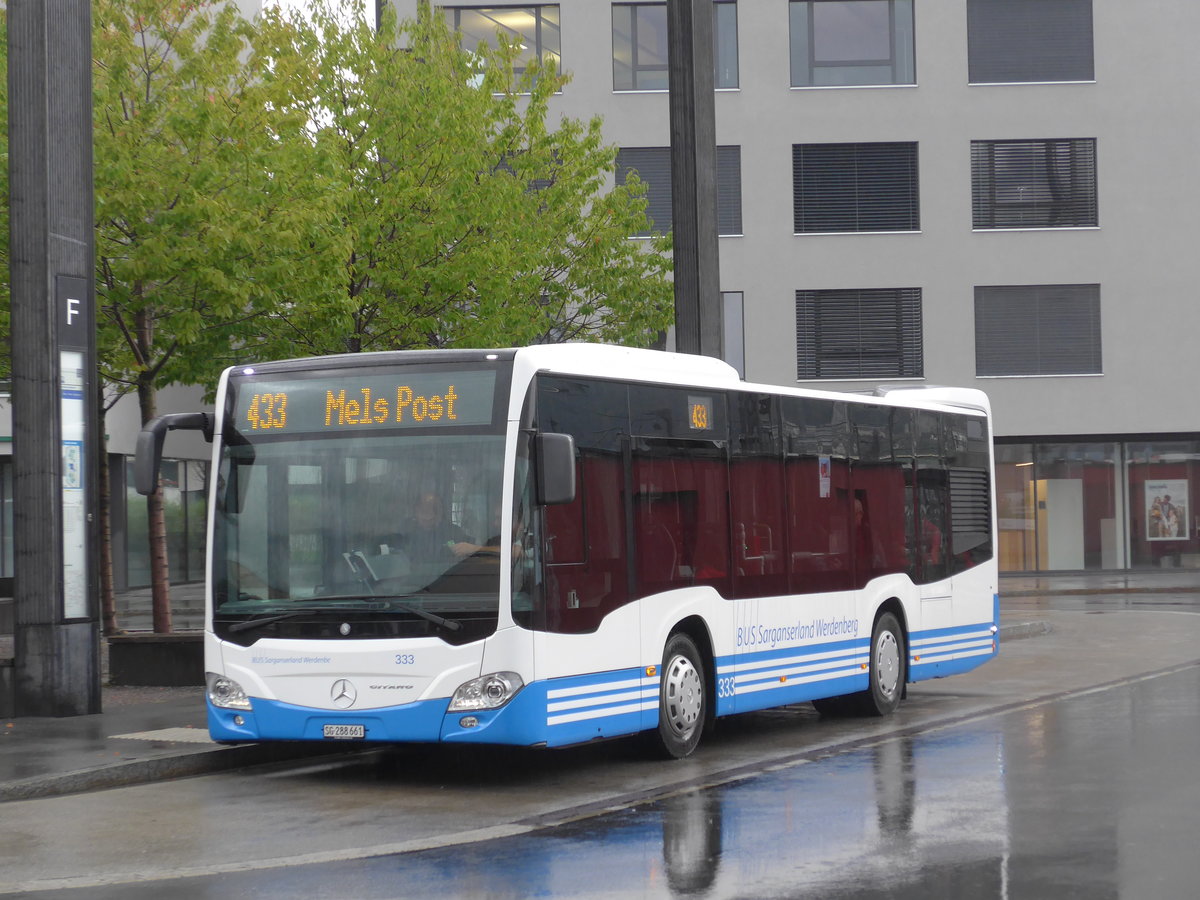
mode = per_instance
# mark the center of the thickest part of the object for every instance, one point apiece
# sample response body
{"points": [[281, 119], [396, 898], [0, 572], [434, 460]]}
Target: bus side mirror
{"points": [[555, 458], [150, 445]]}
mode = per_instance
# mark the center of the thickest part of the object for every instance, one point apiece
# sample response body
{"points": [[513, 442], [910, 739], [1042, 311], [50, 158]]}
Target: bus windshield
{"points": [[354, 531]]}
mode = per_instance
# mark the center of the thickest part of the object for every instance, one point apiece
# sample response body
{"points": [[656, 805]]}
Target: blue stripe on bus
{"points": [[581, 708], [273, 720]]}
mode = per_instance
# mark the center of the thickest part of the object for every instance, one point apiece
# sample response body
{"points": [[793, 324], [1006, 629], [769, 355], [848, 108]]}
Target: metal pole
{"points": [[698, 318]]}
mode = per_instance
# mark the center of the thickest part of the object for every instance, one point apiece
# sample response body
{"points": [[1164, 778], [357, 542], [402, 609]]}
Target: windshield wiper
{"points": [[394, 603], [247, 624]]}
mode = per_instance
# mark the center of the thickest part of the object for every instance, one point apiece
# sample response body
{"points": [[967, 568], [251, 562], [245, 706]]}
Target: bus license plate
{"points": [[345, 732]]}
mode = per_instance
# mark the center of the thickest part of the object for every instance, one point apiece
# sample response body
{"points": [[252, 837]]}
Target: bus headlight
{"points": [[489, 692], [225, 692]]}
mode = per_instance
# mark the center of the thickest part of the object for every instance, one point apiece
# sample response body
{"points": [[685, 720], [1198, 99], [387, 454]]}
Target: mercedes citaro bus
{"points": [[556, 544]]}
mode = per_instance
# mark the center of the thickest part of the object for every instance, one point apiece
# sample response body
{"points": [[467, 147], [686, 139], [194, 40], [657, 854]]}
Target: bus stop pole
{"points": [[51, 269]]}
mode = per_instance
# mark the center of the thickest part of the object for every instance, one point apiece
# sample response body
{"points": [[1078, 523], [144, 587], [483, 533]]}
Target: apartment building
{"points": [[990, 193]]}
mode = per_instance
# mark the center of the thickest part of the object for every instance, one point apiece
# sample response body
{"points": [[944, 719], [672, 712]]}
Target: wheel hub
{"points": [[682, 696], [887, 664]]}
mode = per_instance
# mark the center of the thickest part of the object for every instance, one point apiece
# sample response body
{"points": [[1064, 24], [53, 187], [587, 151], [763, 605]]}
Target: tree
{"points": [[202, 219], [285, 188], [471, 221]]}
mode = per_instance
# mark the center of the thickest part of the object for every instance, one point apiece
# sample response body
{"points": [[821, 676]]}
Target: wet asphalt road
{"points": [[1041, 781], [1093, 796]]}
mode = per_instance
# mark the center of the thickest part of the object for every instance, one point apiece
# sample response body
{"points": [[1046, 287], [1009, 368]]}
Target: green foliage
{"points": [[471, 221], [302, 186], [202, 213]]}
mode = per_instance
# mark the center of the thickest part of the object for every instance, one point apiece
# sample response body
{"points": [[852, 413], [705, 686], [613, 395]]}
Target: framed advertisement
{"points": [[1166, 510]]}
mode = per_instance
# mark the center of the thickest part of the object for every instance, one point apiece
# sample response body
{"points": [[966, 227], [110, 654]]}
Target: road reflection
{"points": [[907, 815]]}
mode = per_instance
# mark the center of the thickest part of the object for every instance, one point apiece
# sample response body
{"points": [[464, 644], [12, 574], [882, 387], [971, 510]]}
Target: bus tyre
{"points": [[886, 668], [682, 704]]}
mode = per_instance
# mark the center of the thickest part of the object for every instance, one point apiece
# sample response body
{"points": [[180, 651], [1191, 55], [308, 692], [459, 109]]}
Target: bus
{"points": [[556, 544]]}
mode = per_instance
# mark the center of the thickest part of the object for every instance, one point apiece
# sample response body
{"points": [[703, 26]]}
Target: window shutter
{"points": [[653, 165], [870, 333], [1049, 329], [1034, 184], [855, 187], [729, 190], [1029, 40]]}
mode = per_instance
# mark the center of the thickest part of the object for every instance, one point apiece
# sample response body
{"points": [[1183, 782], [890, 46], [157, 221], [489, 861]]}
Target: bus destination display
{"points": [[396, 400]]}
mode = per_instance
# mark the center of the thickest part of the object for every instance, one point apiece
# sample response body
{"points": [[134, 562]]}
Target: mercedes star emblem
{"points": [[343, 694]]}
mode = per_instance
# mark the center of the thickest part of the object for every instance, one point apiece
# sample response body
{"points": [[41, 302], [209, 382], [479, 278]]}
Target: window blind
{"points": [[1029, 40], [1034, 184], [855, 187], [1041, 329], [869, 333], [653, 166]]}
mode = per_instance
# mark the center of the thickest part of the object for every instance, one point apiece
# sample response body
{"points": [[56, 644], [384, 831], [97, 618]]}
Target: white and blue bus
{"points": [[557, 544]]}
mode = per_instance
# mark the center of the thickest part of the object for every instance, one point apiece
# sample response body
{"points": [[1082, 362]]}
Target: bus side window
{"points": [[817, 491], [757, 496]]}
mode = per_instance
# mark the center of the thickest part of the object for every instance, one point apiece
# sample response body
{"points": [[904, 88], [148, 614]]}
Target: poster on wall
{"points": [[1166, 510]]}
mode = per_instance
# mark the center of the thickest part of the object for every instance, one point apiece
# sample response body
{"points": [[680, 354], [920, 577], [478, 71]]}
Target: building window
{"points": [[653, 167], [1039, 329], [870, 333], [1034, 184], [1012, 41], [836, 43], [733, 335], [534, 29], [855, 187], [639, 39]]}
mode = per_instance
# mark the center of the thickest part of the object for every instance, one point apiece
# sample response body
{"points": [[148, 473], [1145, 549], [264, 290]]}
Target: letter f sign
{"points": [[72, 310]]}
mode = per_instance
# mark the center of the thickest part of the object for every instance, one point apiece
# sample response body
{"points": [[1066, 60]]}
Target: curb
{"points": [[144, 771]]}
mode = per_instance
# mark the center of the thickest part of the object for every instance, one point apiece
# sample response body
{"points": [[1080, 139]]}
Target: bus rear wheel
{"points": [[886, 668], [682, 704]]}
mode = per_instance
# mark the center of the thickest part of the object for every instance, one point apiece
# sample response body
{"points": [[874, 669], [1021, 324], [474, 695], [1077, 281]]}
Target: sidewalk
{"points": [[148, 734]]}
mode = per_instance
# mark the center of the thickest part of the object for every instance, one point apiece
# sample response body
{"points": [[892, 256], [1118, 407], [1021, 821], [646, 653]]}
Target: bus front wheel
{"points": [[886, 668], [682, 704]]}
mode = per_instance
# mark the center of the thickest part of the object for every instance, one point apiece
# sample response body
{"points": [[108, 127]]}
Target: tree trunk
{"points": [[160, 575]]}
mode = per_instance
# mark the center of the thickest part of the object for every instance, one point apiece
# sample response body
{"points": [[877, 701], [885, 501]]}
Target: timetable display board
{"points": [[344, 400]]}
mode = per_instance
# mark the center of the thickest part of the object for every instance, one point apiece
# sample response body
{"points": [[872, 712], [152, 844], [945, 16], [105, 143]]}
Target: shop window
{"points": [[1163, 486]]}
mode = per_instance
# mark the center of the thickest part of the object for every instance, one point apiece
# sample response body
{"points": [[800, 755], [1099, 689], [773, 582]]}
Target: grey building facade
{"points": [[986, 193], [991, 193]]}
